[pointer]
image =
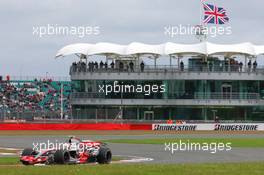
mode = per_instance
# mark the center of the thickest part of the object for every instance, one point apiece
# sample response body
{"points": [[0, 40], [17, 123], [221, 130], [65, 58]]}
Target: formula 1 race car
{"points": [[76, 151]]}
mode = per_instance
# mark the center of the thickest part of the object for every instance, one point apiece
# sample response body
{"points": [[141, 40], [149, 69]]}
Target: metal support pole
{"points": [[138, 113], [245, 114], [106, 113], [245, 61], [178, 62], [229, 65], [170, 61], [96, 115], [61, 113]]}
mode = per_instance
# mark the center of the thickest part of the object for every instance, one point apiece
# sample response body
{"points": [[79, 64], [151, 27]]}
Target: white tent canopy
{"points": [[204, 48]]}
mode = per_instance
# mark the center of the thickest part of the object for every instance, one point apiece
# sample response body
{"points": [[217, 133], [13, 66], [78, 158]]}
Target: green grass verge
{"points": [[235, 142], [253, 168], [9, 160]]}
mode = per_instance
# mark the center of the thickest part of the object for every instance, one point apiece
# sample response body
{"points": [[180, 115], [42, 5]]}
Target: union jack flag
{"points": [[214, 14]]}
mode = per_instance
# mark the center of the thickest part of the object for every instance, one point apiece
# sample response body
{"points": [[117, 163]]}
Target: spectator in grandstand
{"points": [[142, 65], [169, 121], [216, 119]]}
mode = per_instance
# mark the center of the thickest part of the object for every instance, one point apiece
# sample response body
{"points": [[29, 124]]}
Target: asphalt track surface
{"points": [[154, 153]]}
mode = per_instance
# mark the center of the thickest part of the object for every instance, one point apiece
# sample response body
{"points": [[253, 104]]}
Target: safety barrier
{"points": [[73, 126], [209, 127]]}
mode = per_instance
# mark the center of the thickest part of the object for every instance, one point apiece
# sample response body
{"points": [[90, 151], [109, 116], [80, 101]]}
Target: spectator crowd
{"points": [[91, 66], [33, 96]]}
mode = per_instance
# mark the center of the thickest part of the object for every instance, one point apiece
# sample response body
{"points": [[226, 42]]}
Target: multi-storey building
{"points": [[200, 81]]}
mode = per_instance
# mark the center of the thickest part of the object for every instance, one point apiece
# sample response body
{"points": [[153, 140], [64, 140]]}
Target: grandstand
{"points": [[220, 82], [34, 99]]}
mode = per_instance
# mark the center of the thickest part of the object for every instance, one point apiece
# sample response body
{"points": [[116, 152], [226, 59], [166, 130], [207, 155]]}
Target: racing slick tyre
{"points": [[61, 157], [104, 156], [28, 152]]}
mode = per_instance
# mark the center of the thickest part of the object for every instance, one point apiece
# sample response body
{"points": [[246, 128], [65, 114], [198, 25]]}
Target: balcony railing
{"points": [[180, 95], [168, 69]]}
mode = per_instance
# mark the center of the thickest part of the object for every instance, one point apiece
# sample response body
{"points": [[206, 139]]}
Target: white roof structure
{"points": [[135, 48]]}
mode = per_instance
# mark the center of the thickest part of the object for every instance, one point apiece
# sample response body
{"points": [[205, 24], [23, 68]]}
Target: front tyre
{"points": [[104, 156], [61, 157]]}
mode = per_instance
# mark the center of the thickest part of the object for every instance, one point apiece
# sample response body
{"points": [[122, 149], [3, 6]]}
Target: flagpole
{"points": [[201, 5]]}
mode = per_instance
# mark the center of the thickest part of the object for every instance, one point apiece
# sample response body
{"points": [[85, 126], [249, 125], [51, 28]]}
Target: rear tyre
{"points": [[61, 157], [104, 156]]}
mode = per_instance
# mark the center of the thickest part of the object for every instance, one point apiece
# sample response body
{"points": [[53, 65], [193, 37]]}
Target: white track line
{"points": [[10, 149], [8, 154], [133, 159]]}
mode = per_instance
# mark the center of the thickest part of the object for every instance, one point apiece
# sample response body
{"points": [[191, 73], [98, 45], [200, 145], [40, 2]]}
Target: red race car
{"points": [[76, 151]]}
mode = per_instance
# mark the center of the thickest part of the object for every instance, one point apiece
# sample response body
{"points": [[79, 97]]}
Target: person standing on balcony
{"points": [[226, 65], [255, 64], [142, 65], [121, 66], [131, 66], [101, 64], [240, 66], [96, 65], [105, 65], [182, 66], [210, 66], [92, 66], [249, 65], [112, 65]]}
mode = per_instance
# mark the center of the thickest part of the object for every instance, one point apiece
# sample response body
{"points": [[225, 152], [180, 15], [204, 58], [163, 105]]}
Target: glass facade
{"points": [[174, 89], [169, 112]]}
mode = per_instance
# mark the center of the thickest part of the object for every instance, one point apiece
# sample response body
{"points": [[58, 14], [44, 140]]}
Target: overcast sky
{"points": [[120, 21]]}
